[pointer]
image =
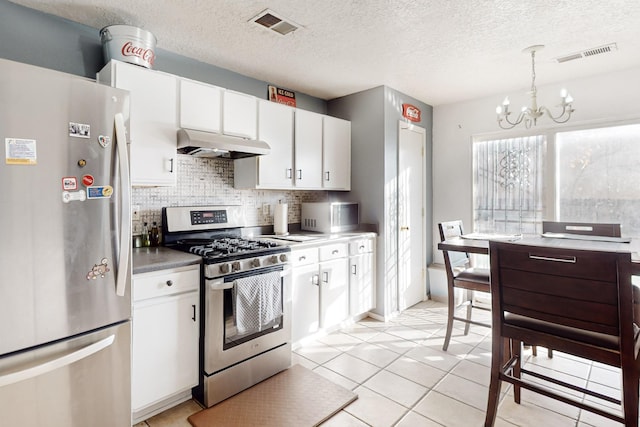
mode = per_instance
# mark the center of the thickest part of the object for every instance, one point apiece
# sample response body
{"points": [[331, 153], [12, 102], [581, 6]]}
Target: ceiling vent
{"points": [[273, 21], [611, 47]]}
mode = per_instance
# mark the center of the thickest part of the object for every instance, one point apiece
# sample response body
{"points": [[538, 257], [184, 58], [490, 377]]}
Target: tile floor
{"points": [[403, 378]]}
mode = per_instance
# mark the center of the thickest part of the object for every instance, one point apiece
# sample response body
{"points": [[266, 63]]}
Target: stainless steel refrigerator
{"points": [[65, 304]]}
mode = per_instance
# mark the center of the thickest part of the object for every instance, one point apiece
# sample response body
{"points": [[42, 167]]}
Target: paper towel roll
{"points": [[280, 219]]}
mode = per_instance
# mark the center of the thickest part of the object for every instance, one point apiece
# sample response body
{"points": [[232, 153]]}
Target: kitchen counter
{"points": [[161, 258]]}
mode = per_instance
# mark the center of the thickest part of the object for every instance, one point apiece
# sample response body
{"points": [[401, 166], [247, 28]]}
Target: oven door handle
{"points": [[220, 285]]}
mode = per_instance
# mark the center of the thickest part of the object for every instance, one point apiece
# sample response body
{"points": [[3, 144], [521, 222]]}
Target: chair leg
{"points": [[630, 396], [516, 349], [451, 307], [534, 350], [498, 355], [550, 353], [469, 308]]}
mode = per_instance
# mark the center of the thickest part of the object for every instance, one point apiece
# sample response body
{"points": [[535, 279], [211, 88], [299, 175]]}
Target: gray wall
{"points": [[37, 38], [374, 116]]}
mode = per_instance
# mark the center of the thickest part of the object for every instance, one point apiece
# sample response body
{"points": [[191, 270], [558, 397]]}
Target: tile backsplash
{"points": [[203, 181]]}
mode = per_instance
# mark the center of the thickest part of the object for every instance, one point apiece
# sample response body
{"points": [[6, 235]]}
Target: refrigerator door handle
{"points": [[125, 211], [58, 362]]}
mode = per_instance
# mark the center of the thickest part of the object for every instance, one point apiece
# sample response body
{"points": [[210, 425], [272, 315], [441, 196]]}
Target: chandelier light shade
{"points": [[530, 115]]}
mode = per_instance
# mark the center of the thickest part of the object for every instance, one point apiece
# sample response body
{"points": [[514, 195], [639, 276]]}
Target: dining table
{"points": [[478, 243]]}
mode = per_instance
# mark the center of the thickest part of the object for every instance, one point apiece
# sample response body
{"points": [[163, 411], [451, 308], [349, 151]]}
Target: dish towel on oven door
{"points": [[257, 302]]}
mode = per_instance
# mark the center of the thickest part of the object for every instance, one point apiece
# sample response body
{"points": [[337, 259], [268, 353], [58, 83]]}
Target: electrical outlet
{"points": [[135, 213], [265, 209]]}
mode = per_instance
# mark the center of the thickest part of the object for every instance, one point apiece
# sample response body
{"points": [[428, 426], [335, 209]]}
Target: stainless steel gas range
{"points": [[245, 331]]}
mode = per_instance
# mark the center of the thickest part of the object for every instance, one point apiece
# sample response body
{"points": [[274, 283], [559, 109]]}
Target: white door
{"points": [[411, 206]]}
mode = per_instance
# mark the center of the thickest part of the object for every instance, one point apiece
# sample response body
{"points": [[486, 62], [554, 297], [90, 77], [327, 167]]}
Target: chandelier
{"points": [[530, 115]]}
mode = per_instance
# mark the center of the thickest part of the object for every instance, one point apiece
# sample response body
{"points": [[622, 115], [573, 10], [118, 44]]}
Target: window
{"points": [[508, 184], [598, 176]]}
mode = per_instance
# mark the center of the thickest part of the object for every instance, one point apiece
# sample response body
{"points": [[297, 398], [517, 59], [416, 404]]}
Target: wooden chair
{"points": [[461, 275], [575, 301], [581, 228]]}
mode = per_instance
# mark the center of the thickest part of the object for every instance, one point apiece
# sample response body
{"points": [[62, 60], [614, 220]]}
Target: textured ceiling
{"points": [[439, 51]]}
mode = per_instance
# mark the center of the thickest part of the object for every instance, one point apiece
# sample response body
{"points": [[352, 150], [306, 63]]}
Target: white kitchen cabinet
{"points": [[361, 276], [239, 114], [305, 293], [275, 170], [336, 154], [165, 335], [152, 121], [308, 150], [334, 285], [317, 158], [200, 106]]}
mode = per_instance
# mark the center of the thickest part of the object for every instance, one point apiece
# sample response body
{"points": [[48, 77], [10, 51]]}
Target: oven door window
{"points": [[253, 306]]}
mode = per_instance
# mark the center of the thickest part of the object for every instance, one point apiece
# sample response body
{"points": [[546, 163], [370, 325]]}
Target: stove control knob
{"points": [[283, 257], [255, 262], [224, 268], [235, 266], [273, 259]]}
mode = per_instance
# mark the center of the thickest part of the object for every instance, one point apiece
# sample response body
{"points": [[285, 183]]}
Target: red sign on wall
{"points": [[411, 112], [282, 96]]}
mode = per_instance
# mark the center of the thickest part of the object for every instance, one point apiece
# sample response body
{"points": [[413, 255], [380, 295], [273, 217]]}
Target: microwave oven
{"points": [[330, 217]]}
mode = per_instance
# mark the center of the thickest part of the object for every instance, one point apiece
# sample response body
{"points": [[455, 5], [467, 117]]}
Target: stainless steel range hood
{"points": [[207, 144]]}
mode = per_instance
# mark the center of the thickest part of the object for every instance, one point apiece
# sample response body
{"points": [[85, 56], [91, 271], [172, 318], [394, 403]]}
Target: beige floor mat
{"points": [[296, 397]]}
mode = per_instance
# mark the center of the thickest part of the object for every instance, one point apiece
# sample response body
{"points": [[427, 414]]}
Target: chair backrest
{"points": [[585, 289], [584, 228], [448, 230]]}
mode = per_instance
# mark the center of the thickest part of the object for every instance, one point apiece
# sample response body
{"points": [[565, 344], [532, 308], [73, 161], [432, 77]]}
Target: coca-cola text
{"points": [[147, 55]]}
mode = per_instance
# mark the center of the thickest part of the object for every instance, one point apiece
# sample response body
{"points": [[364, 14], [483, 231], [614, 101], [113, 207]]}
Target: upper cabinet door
{"points": [[200, 106], [275, 127], [336, 154], [239, 114], [152, 121], [308, 150]]}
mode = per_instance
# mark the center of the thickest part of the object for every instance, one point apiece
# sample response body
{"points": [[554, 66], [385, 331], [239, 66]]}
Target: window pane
{"points": [[508, 185], [598, 176]]}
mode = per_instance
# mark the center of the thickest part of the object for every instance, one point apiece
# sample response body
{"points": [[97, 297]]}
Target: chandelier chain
{"points": [[533, 71]]}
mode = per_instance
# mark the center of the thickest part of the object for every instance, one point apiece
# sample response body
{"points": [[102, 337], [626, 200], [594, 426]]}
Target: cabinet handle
{"points": [[354, 269], [299, 174], [302, 258], [171, 166], [361, 247], [325, 277], [570, 259], [289, 173], [335, 251], [404, 228], [169, 282], [314, 280], [327, 173], [193, 306]]}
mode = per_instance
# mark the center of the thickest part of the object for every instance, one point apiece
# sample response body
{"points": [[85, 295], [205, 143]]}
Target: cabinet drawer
{"points": [[304, 256], [560, 262], [360, 246], [165, 282], [337, 250]]}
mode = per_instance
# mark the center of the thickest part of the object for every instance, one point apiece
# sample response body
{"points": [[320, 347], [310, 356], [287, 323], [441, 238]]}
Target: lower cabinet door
{"points": [[360, 284], [165, 348], [306, 305], [334, 292]]}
